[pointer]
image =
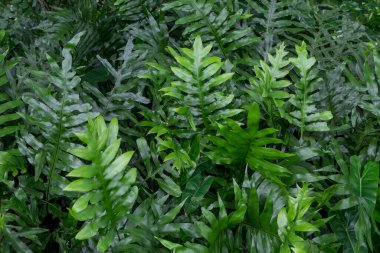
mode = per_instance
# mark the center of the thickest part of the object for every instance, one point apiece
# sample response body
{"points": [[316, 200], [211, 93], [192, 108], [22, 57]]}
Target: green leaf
{"points": [[282, 219], [169, 186], [118, 165], [84, 171], [88, 231], [196, 188], [106, 240], [109, 153], [82, 202], [169, 245], [364, 182], [304, 226], [82, 185], [170, 216]]}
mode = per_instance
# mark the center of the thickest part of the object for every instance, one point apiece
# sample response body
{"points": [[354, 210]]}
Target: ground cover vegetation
{"points": [[202, 126]]}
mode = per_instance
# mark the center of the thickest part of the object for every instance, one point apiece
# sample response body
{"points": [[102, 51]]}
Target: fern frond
{"points": [[102, 182], [154, 39], [371, 75], [127, 91], [217, 230], [53, 116], [10, 160], [332, 36], [97, 20], [17, 231], [197, 99], [269, 83], [195, 91], [238, 146], [213, 23], [341, 98], [359, 187], [7, 104], [292, 221], [135, 10], [276, 20], [146, 220], [304, 113], [264, 206]]}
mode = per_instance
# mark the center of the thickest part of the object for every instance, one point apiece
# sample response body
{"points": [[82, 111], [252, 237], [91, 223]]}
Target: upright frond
{"points": [[107, 190], [303, 112], [53, 115]]}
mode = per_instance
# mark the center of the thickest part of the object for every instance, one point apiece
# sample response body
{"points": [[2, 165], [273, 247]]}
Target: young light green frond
{"points": [[104, 184], [270, 83], [303, 111], [196, 89]]}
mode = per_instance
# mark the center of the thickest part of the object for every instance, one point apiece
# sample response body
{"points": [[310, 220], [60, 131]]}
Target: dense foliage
{"points": [[190, 126]]}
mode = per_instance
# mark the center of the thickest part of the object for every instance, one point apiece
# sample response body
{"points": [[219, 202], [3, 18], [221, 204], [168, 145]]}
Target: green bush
{"points": [[250, 126]]}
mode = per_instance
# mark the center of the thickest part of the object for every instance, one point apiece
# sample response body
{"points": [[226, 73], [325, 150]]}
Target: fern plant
{"points": [[196, 101], [212, 177], [135, 10], [276, 21], [371, 79], [18, 219], [263, 207], [96, 19], [126, 94], [341, 98], [269, 83], [305, 113], [7, 103], [9, 157], [218, 232], [147, 221], [52, 116], [207, 19], [326, 24], [195, 91], [291, 222], [102, 182], [237, 147]]}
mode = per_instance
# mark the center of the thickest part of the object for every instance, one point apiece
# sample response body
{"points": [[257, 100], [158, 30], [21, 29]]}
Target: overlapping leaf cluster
{"points": [[251, 126]]}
